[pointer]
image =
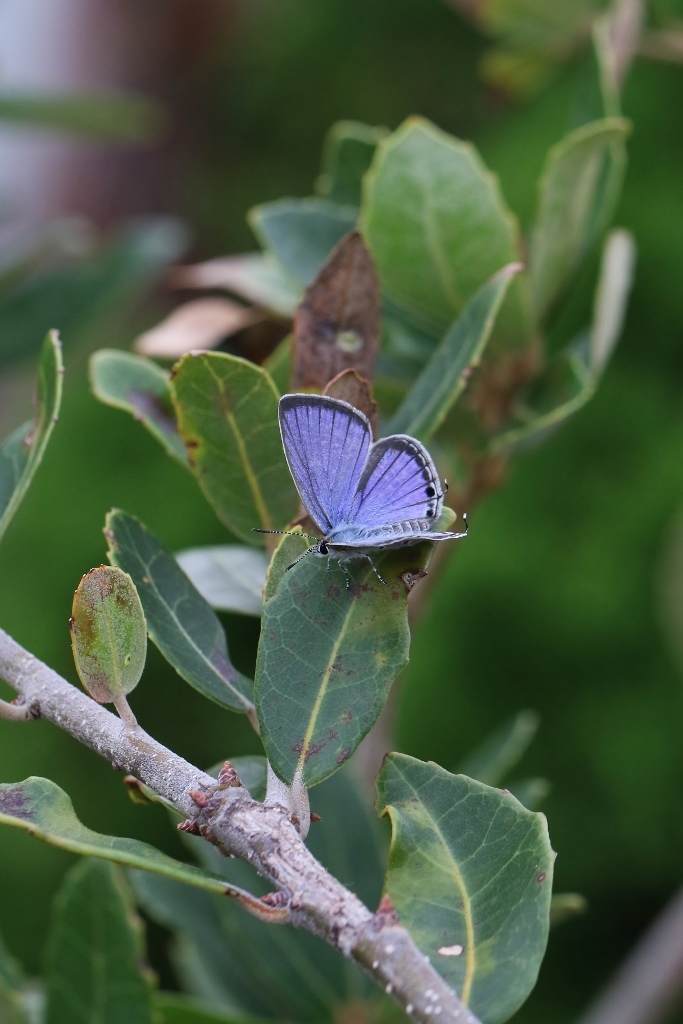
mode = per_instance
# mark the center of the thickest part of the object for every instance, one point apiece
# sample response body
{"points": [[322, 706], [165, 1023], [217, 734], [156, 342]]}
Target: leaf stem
{"points": [[260, 834], [125, 712]]}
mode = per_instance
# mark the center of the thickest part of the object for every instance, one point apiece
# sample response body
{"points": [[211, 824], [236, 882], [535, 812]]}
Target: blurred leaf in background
{"points": [[83, 298], [115, 118]]}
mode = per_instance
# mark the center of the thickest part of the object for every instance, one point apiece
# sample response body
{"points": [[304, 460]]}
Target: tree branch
{"points": [[649, 985], [262, 835]]}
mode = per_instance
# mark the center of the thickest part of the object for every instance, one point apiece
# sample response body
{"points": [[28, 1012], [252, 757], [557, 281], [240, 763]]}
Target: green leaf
{"points": [[21, 453], [171, 1008], [571, 379], [179, 621], [406, 349], [254, 276], [538, 24], [11, 1007], [578, 189], [301, 233], [347, 155], [108, 634], [230, 576], [500, 752], [115, 117], [349, 840], [470, 876], [11, 984], [245, 965], [327, 658], [565, 906], [291, 546], [445, 376], [138, 386], [227, 416], [438, 227], [10, 971], [94, 952], [90, 295], [279, 364], [40, 807], [530, 792]]}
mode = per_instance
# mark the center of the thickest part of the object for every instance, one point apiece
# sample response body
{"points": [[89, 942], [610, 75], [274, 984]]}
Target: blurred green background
{"points": [[554, 602]]}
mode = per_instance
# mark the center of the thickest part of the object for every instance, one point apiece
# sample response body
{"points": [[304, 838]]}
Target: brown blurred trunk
{"points": [[153, 47]]}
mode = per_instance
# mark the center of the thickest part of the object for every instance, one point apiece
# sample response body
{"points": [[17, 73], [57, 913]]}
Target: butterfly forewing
{"points": [[326, 443], [399, 483]]}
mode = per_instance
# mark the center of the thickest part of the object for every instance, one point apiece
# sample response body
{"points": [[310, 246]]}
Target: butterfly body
{"points": [[363, 497]]}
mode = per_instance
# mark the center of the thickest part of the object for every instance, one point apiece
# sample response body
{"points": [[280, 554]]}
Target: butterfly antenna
{"points": [[284, 533], [308, 552]]}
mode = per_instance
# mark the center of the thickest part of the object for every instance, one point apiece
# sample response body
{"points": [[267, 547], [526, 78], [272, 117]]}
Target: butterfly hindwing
{"points": [[399, 483], [326, 443]]}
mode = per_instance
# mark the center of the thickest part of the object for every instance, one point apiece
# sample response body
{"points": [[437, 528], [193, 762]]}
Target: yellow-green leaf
{"points": [[108, 633], [227, 416]]}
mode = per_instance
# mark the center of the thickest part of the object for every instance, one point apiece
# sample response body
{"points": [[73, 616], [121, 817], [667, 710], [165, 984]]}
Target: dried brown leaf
{"points": [[200, 324], [354, 389], [337, 325]]}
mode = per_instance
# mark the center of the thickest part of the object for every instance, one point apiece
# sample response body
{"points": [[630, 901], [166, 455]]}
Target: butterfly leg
{"points": [[374, 569], [342, 566]]}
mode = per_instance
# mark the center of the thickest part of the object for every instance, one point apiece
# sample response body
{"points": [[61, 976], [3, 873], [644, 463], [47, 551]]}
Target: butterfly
{"points": [[363, 497]]}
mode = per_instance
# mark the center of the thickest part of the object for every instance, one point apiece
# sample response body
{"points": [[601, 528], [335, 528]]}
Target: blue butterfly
{"points": [[363, 497]]}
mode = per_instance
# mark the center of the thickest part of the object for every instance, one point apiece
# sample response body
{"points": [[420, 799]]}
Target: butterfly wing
{"points": [[326, 443], [398, 484]]}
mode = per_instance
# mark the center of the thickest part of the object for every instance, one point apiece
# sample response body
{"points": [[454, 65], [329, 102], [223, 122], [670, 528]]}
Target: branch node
{"points": [[201, 800], [386, 912], [190, 826], [227, 777]]}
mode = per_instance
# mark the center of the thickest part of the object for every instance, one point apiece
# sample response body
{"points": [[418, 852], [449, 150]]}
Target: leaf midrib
{"points": [[226, 682], [252, 480], [470, 952], [322, 691]]}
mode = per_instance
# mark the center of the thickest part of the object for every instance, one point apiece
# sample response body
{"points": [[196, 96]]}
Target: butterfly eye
{"points": [[322, 548], [430, 492]]}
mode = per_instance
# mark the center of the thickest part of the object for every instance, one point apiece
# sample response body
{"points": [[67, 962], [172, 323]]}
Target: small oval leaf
{"points": [[108, 634]]}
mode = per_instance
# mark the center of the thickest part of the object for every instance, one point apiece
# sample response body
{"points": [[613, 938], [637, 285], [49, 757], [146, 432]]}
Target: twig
{"points": [[649, 985], [262, 835], [18, 711]]}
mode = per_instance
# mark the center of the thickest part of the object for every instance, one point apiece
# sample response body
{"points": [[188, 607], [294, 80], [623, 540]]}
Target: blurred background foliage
{"points": [[555, 601]]}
